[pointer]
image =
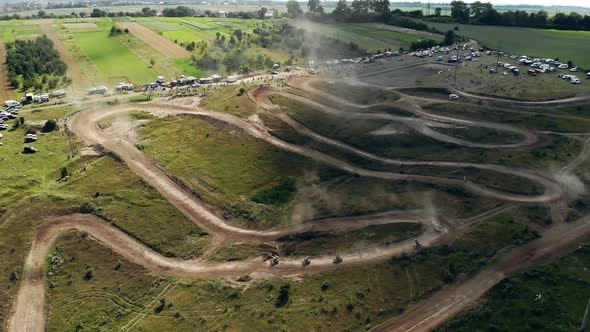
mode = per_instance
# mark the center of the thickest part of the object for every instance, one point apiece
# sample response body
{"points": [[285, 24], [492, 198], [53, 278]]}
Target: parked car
{"points": [[453, 96], [563, 66], [30, 149]]}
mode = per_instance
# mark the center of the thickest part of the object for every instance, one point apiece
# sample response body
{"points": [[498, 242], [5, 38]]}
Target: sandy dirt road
{"points": [[29, 309], [6, 91], [85, 126], [553, 190], [421, 123], [74, 70], [159, 43]]}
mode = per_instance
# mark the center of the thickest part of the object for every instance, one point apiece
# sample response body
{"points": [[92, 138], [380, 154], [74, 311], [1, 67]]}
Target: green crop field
{"points": [[370, 36], [565, 45], [188, 29], [112, 58], [12, 30]]}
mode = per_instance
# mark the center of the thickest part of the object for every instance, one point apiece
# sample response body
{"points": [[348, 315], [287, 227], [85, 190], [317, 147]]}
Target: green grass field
{"points": [[369, 36], [12, 30], [113, 60], [565, 45], [357, 298], [511, 305]]}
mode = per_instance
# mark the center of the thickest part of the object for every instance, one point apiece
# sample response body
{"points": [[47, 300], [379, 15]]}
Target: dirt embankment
{"points": [[6, 91], [159, 43]]}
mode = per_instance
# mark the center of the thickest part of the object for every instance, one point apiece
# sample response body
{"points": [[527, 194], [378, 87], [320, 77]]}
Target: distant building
{"points": [[221, 14]]}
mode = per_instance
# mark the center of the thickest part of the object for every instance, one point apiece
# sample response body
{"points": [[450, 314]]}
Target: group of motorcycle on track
{"points": [[275, 259]]}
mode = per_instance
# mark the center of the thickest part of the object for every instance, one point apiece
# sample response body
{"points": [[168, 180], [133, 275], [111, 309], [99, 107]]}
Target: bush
{"points": [[283, 298], [64, 172], [50, 125], [277, 195]]}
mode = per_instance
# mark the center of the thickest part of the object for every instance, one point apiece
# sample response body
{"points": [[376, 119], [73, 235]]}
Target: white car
{"points": [[3, 126], [575, 69], [575, 81], [563, 66], [453, 96], [1, 135]]}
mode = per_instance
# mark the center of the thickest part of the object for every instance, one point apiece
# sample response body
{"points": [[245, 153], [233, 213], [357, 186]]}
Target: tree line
{"points": [[229, 52], [31, 59], [484, 13]]}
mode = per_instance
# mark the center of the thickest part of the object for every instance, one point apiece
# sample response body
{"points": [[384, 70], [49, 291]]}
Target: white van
{"points": [[563, 66], [12, 103]]}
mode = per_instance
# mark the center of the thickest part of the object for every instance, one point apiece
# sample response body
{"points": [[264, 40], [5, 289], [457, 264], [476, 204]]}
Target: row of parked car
{"points": [[8, 114], [572, 78], [11, 111]]}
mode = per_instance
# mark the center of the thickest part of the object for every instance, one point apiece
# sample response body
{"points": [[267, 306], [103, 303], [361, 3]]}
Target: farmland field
{"points": [[369, 36], [565, 45], [188, 29], [158, 42], [113, 59]]}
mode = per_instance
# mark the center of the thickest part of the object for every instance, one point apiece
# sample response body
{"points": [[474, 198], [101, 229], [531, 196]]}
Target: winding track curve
{"points": [[28, 313]]}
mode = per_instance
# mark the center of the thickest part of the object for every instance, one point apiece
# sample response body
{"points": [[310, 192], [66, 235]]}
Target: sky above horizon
{"points": [[580, 3]]}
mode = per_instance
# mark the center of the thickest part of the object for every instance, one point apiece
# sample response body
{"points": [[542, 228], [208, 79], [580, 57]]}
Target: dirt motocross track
{"points": [[29, 308]]}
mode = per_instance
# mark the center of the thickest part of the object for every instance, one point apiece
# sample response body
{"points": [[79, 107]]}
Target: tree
{"points": [[341, 9], [293, 9], [476, 9], [381, 8], [314, 5], [359, 9], [148, 12], [450, 37], [437, 11], [152, 62], [96, 12], [50, 125], [64, 172], [262, 12], [283, 298], [460, 11]]}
